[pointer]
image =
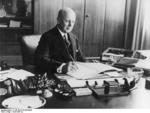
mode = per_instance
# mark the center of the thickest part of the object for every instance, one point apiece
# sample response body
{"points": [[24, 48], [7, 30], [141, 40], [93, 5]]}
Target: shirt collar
{"points": [[62, 33]]}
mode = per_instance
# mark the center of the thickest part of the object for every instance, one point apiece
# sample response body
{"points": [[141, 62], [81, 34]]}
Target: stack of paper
{"points": [[145, 53], [76, 83], [90, 70], [144, 64], [14, 23], [82, 91], [19, 74]]}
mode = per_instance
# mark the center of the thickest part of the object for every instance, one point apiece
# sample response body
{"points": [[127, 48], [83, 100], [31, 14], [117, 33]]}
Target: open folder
{"points": [[91, 70]]}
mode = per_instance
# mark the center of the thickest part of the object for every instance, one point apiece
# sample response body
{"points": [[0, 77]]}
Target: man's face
{"points": [[67, 22]]}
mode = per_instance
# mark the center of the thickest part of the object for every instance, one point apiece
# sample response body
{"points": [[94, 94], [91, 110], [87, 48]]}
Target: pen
{"points": [[111, 70], [71, 57]]}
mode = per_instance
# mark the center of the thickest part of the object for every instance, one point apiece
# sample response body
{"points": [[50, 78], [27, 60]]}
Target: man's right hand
{"points": [[69, 67]]}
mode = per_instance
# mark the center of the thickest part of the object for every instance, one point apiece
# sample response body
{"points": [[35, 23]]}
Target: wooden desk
{"points": [[139, 98]]}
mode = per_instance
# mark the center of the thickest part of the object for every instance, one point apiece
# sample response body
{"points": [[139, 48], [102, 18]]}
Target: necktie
{"points": [[66, 40]]}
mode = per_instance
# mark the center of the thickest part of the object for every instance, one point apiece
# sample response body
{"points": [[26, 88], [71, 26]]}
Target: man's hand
{"points": [[69, 67]]}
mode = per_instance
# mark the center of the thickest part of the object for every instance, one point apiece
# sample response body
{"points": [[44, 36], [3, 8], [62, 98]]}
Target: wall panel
{"points": [[46, 14], [94, 26], [114, 23]]}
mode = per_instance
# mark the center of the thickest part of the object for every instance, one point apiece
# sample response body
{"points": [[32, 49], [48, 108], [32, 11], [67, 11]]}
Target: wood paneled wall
{"points": [[45, 14], [94, 27], [114, 23], [100, 23]]}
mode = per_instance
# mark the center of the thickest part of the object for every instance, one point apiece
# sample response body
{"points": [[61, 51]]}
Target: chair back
{"points": [[29, 44]]}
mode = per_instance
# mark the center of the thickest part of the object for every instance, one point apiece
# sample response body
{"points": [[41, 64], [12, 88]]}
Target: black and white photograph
{"points": [[74, 54]]}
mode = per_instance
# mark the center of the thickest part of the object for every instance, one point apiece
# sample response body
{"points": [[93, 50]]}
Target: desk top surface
{"points": [[139, 98]]}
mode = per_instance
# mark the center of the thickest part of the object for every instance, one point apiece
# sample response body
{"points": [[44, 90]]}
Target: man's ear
{"points": [[58, 20]]}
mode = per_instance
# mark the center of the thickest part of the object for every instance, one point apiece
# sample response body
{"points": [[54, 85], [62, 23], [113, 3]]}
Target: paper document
{"points": [[14, 23], [145, 53], [76, 83], [145, 64], [82, 91], [90, 70], [113, 74], [19, 74]]}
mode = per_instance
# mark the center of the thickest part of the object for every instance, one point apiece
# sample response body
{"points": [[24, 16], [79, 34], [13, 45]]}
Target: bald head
{"points": [[66, 20], [65, 12]]}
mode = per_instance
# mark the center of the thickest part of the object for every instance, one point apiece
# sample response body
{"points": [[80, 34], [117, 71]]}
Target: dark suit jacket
{"points": [[52, 51]]}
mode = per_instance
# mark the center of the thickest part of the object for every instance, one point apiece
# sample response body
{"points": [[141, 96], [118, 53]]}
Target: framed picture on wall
{"points": [[16, 14], [15, 8]]}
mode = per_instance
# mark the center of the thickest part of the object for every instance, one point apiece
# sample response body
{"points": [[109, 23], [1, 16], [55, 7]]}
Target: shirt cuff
{"points": [[59, 69]]}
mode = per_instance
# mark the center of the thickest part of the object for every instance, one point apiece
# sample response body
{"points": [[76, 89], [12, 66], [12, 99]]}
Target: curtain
{"points": [[141, 36]]}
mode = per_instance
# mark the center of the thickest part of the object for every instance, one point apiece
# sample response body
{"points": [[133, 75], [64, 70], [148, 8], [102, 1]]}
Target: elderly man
{"points": [[58, 47]]}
